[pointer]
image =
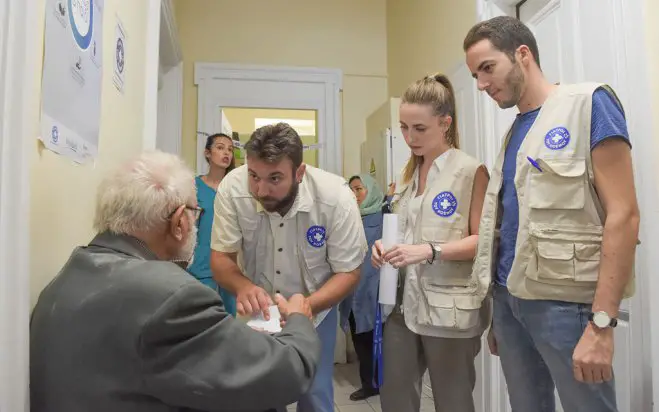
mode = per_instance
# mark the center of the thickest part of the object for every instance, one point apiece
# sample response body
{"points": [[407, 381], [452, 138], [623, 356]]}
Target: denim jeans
{"points": [[536, 340], [320, 397]]}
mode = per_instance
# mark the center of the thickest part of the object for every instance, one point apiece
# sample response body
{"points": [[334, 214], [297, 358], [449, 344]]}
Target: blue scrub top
{"points": [[200, 267]]}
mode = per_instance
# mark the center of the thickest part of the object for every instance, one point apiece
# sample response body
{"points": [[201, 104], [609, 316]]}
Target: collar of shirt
{"points": [[437, 166], [303, 200]]}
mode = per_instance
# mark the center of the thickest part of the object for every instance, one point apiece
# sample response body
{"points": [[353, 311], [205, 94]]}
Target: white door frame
{"points": [[19, 68], [209, 78], [163, 98], [493, 124]]}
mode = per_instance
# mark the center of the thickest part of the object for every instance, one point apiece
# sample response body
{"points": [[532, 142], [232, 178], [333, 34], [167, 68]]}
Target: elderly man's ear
{"points": [[176, 223]]}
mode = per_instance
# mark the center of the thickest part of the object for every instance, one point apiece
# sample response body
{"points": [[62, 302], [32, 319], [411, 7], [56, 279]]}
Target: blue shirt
{"points": [[607, 121], [200, 267]]}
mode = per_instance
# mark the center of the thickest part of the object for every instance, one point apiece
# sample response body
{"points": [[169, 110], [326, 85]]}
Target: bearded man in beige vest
{"points": [[559, 226]]}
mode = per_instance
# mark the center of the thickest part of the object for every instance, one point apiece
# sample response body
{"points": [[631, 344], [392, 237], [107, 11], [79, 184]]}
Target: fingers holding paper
{"points": [[252, 299], [376, 254]]}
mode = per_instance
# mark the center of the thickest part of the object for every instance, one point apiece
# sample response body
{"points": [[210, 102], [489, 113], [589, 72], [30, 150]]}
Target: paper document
{"points": [[270, 326], [388, 273]]}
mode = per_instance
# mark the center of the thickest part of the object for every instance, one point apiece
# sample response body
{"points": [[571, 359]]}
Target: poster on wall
{"points": [[119, 56], [71, 78]]}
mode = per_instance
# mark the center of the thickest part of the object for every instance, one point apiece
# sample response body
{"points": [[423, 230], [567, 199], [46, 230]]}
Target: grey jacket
{"points": [[118, 330]]}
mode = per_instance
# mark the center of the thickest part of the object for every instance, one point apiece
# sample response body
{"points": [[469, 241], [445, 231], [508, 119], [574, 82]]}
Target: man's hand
{"points": [[296, 304], [251, 299], [593, 357], [403, 255]]}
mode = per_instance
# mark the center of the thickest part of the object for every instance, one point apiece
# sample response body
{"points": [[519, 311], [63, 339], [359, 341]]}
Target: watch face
{"points": [[601, 319]]}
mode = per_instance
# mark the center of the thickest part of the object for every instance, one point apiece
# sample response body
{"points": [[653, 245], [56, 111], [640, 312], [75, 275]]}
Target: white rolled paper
{"points": [[389, 274]]}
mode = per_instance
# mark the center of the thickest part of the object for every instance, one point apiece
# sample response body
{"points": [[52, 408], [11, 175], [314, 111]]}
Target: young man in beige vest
{"points": [[559, 226], [298, 230]]}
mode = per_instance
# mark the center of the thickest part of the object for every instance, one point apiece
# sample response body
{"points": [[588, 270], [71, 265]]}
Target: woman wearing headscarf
{"points": [[359, 310]]}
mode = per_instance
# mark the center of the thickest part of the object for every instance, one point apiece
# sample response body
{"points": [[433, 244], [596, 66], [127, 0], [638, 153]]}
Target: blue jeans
{"points": [[320, 398], [536, 340]]}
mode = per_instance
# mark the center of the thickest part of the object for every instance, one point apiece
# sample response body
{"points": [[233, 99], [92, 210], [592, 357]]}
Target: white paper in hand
{"points": [[270, 326]]}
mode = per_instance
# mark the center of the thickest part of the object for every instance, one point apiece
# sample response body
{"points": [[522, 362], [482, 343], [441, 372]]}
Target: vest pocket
{"points": [[563, 255], [314, 264], [449, 308], [560, 185]]}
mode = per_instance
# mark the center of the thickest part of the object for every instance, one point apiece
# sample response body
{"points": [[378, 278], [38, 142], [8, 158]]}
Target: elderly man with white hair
{"points": [[125, 328]]}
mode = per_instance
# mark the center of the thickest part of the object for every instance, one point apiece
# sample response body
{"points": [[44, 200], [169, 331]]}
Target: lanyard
{"points": [[377, 348]]}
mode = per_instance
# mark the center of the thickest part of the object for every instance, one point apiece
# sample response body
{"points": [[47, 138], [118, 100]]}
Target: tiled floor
{"points": [[346, 381]]}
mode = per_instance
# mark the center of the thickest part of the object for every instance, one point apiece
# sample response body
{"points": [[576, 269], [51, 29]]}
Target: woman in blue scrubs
{"points": [[219, 155], [359, 310]]}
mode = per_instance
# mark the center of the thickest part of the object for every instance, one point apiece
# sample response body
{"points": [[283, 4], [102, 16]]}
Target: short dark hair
{"points": [[506, 34], [273, 142], [210, 141]]}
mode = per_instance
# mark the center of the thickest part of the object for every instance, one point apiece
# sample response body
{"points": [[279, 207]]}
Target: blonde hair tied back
{"points": [[437, 92]]}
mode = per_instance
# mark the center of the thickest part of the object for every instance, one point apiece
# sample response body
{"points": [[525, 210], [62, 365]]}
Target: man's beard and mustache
{"points": [[272, 204], [514, 82]]}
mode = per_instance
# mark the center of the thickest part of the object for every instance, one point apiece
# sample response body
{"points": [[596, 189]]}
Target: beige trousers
{"points": [[407, 355]]}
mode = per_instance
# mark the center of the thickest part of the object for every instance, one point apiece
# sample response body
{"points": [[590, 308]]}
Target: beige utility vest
{"points": [[443, 294], [561, 219]]}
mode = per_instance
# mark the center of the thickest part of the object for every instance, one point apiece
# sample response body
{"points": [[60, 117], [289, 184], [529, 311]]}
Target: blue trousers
{"points": [[320, 398], [536, 340]]}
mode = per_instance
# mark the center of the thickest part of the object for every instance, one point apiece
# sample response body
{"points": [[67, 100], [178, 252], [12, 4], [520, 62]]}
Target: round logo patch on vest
{"points": [[557, 138], [445, 204], [316, 236]]}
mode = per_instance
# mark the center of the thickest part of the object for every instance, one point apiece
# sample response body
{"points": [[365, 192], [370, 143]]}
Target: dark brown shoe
{"points": [[363, 393]]}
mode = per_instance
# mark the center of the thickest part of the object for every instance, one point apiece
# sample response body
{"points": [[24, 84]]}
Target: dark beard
{"points": [[515, 83], [284, 205]]}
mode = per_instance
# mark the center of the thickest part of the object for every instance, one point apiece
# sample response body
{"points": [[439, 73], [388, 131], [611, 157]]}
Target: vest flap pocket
{"points": [[555, 251], [468, 302], [564, 255], [447, 311], [560, 185], [586, 266], [587, 252], [440, 233], [555, 260], [440, 300], [563, 167]]}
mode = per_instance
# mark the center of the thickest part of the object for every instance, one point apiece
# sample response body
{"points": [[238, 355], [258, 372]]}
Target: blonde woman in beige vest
{"points": [[440, 316], [559, 227]]}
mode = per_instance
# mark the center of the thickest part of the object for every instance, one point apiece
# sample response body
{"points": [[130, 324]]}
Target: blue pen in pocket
{"points": [[534, 163]]}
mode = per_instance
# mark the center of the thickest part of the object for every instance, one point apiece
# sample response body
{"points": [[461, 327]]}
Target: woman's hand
{"points": [[391, 190], [376, 254], [401, 255]]}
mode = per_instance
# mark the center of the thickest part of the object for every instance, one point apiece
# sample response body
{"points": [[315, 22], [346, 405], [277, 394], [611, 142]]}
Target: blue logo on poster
{"points": [[54, 134], [120, 55], [316, 236], [557, 138], [81, 19], [445, 204]]}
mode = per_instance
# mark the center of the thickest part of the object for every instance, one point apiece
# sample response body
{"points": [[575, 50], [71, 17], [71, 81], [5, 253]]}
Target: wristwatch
{"points": [[436, 252], [602, 320]]}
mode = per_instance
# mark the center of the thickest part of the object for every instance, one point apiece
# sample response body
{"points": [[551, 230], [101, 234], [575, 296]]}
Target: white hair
{"points": [[142, 193]]}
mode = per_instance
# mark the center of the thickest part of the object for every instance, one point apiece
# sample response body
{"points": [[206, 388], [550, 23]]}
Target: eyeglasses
{"points": [[197, 211]]}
